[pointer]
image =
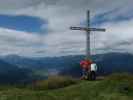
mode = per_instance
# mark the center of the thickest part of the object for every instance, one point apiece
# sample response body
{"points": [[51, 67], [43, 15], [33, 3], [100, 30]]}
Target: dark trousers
{"points": [[90, 75]]}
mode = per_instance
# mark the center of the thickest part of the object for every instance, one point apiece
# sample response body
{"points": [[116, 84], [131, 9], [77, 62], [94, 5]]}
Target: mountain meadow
{"points": [[112, 87], [58, 78]]}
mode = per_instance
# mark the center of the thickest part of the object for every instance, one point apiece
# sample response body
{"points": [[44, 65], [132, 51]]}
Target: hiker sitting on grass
{"points": [[88, 69]]}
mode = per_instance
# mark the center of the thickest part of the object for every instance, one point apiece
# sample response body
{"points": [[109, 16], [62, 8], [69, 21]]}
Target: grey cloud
{"points": [[62, 14], [17, 4]]}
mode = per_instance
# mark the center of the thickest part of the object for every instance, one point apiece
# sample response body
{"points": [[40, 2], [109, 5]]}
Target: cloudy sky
{"points": [[41, 27]]}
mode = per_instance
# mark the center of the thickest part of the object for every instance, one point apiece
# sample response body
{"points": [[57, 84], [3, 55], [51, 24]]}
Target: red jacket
{"points": [[85, 64]]}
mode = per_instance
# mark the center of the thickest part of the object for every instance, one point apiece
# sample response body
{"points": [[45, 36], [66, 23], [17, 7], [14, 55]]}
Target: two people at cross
{"points": [[89, 69]]}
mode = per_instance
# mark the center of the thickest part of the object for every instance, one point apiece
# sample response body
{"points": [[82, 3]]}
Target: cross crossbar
{"points": [[88, 29]]}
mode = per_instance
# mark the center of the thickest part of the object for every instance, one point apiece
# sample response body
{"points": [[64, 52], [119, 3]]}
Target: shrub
{"points": [[54, 82]]}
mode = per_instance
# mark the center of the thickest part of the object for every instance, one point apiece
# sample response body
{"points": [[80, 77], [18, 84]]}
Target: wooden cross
{"points": [[88, 30]]}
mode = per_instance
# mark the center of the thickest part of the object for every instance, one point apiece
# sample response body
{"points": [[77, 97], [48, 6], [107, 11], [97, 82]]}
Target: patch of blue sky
{"points": [[24, 23]]}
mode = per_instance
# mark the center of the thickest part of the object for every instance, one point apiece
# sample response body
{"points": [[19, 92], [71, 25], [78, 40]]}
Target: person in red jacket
{"points": [[86, 66]]}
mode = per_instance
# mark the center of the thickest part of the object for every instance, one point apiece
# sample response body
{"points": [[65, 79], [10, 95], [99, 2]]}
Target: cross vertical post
{"points": [[88, 50], [88, 29]]}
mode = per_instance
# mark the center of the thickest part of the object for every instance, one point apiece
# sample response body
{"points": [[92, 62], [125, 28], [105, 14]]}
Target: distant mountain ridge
{"points": [[42, 62], [69, 65], [107, 64]]}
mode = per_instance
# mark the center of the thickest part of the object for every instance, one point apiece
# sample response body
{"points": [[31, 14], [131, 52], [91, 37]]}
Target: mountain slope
{"points": [[107, 64], [114, 87], [42, 62], [69, 65], [11, 74]]}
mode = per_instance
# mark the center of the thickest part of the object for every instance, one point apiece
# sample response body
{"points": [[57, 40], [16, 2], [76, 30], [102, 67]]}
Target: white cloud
{"points": [[117, 37], [17, 42], [61, 14]]}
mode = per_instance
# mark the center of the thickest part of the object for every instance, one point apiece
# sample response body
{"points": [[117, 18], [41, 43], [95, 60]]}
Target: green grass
{"points": [[113, 87]]}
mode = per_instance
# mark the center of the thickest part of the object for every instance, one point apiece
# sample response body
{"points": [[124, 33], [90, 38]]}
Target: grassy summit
{"points": [[113, 87]]}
